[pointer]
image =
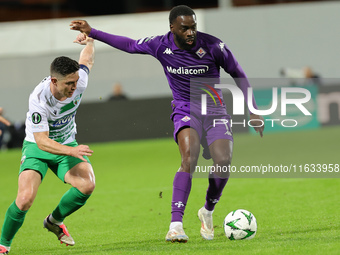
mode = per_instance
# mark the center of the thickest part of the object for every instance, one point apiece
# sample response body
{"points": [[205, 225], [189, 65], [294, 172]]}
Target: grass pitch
{"points": [[129, 212]]}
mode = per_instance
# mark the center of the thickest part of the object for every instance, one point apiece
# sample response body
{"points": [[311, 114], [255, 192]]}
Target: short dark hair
{"points": [[63, 66], [180, 10]]}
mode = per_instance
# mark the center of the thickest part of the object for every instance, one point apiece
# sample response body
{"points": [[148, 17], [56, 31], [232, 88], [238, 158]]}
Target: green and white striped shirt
{"points": [[46, 113]]}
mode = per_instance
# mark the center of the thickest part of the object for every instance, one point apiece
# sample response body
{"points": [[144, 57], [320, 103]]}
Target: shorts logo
{"points": [[186, 119], [36, 118], [200, 52], [22, 160]]}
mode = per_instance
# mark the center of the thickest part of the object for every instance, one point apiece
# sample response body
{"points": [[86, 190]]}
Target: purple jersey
{"points": [[182, 66]]}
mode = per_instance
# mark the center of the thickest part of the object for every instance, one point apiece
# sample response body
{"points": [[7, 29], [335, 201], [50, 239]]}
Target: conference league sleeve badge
{"points": [[36, 118]]}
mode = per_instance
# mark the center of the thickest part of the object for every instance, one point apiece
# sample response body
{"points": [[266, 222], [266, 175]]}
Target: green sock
{"points": [[14, 219], [71, 201]]}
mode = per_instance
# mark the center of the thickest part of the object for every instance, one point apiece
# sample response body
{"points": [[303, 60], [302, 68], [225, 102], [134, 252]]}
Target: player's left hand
{"points": [[80, 151], [82, 39], [258, 122]]}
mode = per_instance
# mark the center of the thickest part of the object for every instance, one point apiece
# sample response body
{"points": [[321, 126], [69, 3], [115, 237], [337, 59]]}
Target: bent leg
{"points": [[189, 146], [28, 184], [82, 179], [221, 153]]}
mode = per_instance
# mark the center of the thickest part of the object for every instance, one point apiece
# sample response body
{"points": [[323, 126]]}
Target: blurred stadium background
{"points": [[266, 36]]}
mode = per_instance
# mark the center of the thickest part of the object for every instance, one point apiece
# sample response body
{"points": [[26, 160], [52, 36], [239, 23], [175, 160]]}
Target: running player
{"points": [[50, 143], [186, 54]]}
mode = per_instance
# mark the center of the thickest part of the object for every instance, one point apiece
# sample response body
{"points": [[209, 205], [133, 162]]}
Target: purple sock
{"points": [[180, 194], [214, 191]]}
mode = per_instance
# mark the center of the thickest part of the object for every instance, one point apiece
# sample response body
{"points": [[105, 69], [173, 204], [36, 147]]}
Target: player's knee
{"points": [[24, 200], [223, 160], [91, 186], [189, 163], [82, 178], [88, 185]]}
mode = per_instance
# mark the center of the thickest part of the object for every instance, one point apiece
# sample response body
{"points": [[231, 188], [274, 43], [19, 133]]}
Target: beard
{"points": [[183, 44]]}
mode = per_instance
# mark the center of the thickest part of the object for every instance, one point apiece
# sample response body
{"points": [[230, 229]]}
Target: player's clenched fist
{"points": [[82, 39], [81, 25]]}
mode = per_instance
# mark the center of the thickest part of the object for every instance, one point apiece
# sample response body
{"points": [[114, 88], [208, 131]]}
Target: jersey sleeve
{"points": [[226, 60], [146, 45], [84, 68], [37, 116], [83, 77]]}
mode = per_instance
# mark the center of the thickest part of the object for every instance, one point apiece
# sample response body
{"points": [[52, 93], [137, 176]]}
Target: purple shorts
{"points": [[210, 127]]}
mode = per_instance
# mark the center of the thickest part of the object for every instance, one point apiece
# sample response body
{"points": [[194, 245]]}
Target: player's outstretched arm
{"points": [[119, 42], [87, 54], [258, 123], [3, 120], [46, 144], [81, 25]]}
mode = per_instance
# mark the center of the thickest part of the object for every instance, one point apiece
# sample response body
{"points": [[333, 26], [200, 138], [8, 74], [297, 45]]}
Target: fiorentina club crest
{"points": [[200, 52], [186, 119]]}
